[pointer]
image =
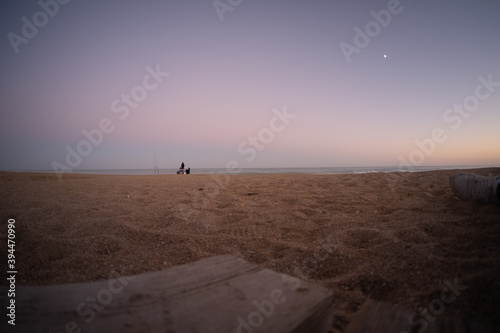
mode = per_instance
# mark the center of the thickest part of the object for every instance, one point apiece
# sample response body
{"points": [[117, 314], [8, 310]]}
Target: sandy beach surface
{"points": [[402, 238]]}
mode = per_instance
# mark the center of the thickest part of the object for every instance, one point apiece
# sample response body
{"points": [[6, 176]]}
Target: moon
{"points": [[385, 55]]}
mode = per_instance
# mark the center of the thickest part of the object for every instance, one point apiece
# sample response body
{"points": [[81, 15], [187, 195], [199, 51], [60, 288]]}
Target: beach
{"points": [[401, 238]]}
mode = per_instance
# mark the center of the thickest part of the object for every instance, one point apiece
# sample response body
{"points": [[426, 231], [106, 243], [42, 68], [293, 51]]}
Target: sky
{"points": [[112, 84]]}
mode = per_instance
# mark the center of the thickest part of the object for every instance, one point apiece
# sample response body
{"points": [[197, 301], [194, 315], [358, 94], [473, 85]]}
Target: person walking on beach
{"points": [[182, 166], [468, 186]]}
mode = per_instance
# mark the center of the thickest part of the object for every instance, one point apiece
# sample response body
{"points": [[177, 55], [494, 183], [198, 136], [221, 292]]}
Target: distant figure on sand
{"points": [[472, 187], [181, 170]]}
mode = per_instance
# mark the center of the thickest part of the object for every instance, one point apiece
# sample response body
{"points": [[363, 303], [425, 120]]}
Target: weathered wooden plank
{"points": [[219, 294], [381, 317]]}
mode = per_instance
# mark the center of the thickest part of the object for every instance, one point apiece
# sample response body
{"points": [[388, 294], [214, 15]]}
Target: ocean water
{"points": [[257, 171]]}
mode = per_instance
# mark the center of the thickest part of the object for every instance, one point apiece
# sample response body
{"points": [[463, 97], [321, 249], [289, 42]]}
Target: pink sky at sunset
{"points": [[226, 78]]}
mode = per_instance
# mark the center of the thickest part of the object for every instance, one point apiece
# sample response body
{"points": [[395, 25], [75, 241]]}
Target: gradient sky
{"points": [[226, 77]]}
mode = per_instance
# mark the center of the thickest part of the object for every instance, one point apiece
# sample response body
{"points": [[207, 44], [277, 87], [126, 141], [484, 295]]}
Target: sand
{"points": [[402, 238]]}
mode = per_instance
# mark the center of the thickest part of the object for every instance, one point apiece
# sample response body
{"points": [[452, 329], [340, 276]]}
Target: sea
{"points": [[261, 171]]}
